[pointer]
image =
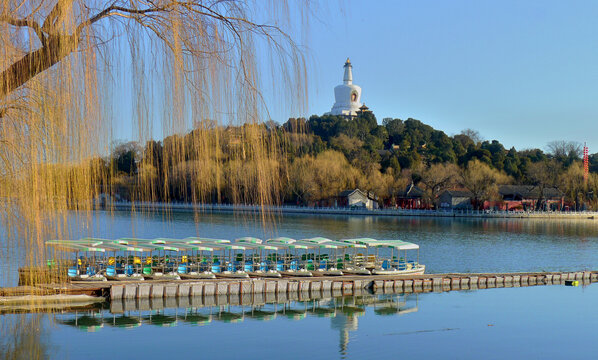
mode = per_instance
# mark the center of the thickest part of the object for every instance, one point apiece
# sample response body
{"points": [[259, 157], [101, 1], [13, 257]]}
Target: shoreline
{"points": [[186, 207]]}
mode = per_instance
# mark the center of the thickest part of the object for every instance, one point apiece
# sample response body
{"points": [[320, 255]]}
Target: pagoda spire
{"points": [[348, 77]]}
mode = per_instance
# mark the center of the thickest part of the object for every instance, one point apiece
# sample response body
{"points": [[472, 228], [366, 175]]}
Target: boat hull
{"points": [[356, 271], [87, 278], [329, 272], [266, 274], [232, 275], [122, 277], [419, 270], [298, 273], [161, 276], [195, 275]]}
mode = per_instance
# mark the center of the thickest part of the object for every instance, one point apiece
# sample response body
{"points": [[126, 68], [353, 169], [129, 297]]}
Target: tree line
{"points": [[315, 159]]}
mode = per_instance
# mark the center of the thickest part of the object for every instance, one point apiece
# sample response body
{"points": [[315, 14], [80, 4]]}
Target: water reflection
{"points": [[23, 336], [343, 311]]}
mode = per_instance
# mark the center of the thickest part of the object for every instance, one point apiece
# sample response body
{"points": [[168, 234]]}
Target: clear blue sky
{"points": [[522, 72]]}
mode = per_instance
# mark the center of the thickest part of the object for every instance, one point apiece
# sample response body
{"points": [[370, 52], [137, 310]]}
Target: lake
{"points": [[543, 322], [530, 322]]}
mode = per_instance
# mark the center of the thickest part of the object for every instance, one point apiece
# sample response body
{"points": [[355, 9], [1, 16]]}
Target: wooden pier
{"points": [[342, 285], [316, 286]]}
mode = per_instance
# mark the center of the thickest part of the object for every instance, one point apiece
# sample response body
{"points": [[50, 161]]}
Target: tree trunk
{"points": [[35, 62]]}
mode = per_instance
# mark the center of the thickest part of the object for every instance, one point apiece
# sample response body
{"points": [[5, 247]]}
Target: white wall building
{"points": [[347, 96]]}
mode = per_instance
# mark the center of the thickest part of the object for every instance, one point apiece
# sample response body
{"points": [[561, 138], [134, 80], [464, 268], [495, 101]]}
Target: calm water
{"points": [[447, 245], [545, 322], [535, 322]]}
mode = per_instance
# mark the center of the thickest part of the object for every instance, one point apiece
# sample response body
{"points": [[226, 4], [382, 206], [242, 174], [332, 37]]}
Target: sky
{"points": [[521, 72]]}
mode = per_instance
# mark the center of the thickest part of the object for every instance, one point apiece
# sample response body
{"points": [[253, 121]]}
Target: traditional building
{"points": [[347, 96], [526, 197], [455, 200], [411, 198], [357, 199]]}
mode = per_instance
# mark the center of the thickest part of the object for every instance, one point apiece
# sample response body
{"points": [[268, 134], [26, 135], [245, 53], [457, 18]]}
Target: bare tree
{"points": [[544, 174], [437, 178], [561, 149], [482, 181], [473, 135]]}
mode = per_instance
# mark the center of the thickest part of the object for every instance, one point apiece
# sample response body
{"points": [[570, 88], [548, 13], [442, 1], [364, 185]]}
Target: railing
{"points": [[350, 211]]}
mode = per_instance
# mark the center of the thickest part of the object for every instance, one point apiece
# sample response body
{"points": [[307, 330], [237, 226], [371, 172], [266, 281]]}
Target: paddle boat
{"points": [[320, 264], [228, 265], [161, 266], [294, 267], [255, 265], [87, 264], [400, 266], [122, 268], [194, 266]]}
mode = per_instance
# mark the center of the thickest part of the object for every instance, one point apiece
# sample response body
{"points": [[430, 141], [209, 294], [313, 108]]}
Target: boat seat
{"points": [[72, 272], [263, 266], [386, 265], [129, 270], [111, 270]]}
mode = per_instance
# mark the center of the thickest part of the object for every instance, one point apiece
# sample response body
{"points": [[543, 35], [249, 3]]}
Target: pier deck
{"points": [[345, 285]]}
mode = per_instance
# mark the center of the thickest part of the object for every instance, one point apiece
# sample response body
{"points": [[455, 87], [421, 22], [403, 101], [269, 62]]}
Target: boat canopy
{"points": [[208, 244], [106, 241], [317, 240], [249, 240], [225, 246], [143, 241], [363, 241], [343, 245], [199, 240], [87, 242], [123, 247], [397, 244], [282, 239], [292, 246], [193, 247], [315, 245], [161, 247], [74, 247]]}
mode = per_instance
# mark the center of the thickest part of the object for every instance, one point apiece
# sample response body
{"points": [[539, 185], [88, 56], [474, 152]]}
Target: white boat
{"points": [[327, 272], [162, 276], [267, 274], [417, 270], [232, 275], [299, 273], [198, 275], [124, 277], [86, 278], [356, 271]]}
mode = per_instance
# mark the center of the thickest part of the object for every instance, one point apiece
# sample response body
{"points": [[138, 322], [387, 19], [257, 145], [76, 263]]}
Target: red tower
{"points": [[586, 167]]}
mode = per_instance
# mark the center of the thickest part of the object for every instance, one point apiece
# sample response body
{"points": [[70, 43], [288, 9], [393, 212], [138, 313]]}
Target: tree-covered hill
{"points": [[324, 155]]}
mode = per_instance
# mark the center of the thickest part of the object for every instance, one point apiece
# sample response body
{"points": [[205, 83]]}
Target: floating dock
{"points": [[343, 285], [316, 286]]}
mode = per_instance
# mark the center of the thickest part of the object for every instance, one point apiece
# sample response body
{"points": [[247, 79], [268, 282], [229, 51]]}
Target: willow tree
{"points": [[197, 64]]}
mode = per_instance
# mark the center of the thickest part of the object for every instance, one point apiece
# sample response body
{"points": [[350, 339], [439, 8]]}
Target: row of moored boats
{"points": [[134, 259]]}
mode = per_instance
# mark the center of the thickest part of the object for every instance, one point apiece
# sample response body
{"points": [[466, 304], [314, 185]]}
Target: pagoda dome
{"points": [[347, 96]]}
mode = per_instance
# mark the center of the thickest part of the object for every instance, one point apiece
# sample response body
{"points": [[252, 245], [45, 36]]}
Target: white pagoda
{"points": [[346, 95]]}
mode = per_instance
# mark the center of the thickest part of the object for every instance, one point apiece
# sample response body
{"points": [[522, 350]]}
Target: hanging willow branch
{"points": [[60, 36]]}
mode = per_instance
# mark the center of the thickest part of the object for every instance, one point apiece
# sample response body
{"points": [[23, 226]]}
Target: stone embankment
{"points": [[251, 209]]}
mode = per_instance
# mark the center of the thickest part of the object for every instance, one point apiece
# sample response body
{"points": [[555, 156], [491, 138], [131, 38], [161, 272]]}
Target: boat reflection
{"points": [[342, 310]]}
